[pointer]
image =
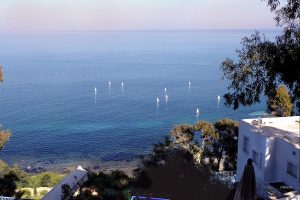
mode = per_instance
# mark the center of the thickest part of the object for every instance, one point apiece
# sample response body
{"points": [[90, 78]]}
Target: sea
{"points": [[60, 108]]}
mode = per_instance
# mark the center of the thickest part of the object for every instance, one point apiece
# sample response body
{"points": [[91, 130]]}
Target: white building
{"points": [[74, 180], [274, 146]]}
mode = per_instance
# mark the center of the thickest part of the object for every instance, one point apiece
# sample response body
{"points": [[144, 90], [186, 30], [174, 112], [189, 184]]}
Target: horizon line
{"points": [[147, 30]]}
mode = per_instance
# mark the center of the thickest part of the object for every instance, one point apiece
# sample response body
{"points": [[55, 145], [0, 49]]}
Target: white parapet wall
{"points": [[74, 180]]}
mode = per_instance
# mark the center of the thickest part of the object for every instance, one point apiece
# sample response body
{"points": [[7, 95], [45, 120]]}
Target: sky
{"points": [[119, 15]]}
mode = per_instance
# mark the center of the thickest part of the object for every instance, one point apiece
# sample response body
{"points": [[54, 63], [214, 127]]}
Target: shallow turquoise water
{"points": [[49, 104]]}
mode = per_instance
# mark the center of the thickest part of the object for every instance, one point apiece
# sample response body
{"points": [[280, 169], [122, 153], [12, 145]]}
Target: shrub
{"points": [[26, 194], [43, 193], [45, 179]]}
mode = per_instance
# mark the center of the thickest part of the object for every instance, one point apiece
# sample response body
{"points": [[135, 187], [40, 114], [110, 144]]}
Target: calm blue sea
{"points": [[48, 100]]}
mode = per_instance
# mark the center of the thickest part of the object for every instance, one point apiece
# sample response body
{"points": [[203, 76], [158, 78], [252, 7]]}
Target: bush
{"points": [[43, 193], [25, 194], [45, 179], [8, 184], [115, 186]]}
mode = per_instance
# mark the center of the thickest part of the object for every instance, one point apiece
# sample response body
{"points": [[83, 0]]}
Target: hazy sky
{"points": [[96, 15]]}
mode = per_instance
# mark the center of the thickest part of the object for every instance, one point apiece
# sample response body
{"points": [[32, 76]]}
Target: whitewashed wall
{"points": [[284, 153], [256, 142]]}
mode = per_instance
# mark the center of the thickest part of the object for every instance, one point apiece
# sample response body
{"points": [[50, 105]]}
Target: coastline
{"points": [[65, 168]]}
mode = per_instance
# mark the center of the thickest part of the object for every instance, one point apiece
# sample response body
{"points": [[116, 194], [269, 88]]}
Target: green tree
{"points": [[226, 145], [115, 185], [207, 130], [280, 105], [8, 184], [171, 172], [219, 142], [263, 64], [4, 136], [183, 134], [8, 178]]}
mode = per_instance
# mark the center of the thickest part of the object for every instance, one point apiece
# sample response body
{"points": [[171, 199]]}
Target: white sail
{"points": [[190, 83], [122, 84], [157, 100], [165, 90], [167, 97], [197, 111], [219, 97], [109, 83], [95, 90]]}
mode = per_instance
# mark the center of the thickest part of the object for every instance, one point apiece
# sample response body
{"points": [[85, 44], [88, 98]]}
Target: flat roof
{"points": [[285, 128]]}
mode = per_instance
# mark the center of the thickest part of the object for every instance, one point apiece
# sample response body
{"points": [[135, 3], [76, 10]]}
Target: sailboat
{"points": [[157, 100], [197, 111]]}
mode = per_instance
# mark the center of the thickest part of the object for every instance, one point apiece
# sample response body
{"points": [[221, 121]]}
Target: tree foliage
{"points": [[170, 172], [4, 136], [8, 184], [45, 179], [218, 143], [286, 15], [183, 134], [171, 169], [12, 178], [226, 146], [8, 178], [114, 185], [262, 64], [206, 128], [280, 105]]}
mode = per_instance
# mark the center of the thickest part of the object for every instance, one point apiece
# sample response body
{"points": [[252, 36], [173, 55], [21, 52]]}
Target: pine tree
{"points": [[280, 105]]}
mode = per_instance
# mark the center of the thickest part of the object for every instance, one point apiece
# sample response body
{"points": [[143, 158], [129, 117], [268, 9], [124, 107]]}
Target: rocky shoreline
{"points": [[65, 168]]}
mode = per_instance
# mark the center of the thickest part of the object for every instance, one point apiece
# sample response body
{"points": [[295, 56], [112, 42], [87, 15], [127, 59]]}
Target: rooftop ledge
{"points": [[286, 128]]}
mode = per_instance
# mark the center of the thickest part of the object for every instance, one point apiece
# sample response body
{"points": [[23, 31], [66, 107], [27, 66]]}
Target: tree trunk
{"points": [[219, 159]]}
